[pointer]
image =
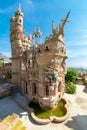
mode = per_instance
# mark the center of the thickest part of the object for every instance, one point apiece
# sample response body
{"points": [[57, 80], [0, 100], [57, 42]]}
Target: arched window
{"points": [[38, 49], [9, 74], [26, 90], [47, 49], [20, 20], [47, 90], [34, 89]]}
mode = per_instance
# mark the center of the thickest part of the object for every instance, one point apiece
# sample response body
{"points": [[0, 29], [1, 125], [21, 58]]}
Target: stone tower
{"points": [[16, 38], [16, 32]]}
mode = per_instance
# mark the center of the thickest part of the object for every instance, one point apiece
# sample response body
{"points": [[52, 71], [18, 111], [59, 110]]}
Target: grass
{"points": [[59, 111]]}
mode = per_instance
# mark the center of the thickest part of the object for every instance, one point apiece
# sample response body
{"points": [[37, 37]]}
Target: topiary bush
{"points": [[70, 88], [71, 75]]}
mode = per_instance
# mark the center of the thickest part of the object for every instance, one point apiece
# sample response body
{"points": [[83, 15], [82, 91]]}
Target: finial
{"points": [[38, 29], [35, 30], [52, 25], [19, 6]]}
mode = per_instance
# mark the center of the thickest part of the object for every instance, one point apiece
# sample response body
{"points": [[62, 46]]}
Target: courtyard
{"points": [[78, 110]]}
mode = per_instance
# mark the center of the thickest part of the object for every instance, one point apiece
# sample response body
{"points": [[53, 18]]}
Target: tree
{"points": [[1, 63], [70, 88], [85, 82], [71, 75]]}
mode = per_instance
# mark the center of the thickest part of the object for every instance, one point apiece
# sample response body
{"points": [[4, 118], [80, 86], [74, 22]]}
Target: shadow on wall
{"points": [[78, 122]]}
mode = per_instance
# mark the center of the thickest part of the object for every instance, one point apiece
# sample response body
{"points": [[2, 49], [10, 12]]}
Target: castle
{"points": [[38, 69]]}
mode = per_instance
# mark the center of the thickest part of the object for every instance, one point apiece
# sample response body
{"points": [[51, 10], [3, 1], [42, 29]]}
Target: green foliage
{"points": [[85, 82], [71, 75], [1, 63], [70, 88]]}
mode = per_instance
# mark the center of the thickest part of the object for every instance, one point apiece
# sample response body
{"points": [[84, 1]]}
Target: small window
{"points": [[38, 49], [20, 20], [47, 49], [62, 50]]}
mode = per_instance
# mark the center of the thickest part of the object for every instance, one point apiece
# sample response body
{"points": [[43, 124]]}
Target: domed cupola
{"points": [[19, 16]]}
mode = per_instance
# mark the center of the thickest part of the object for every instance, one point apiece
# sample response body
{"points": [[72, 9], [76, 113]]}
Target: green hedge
{"points": [[70, 88], [71, 75], [85, 82]]}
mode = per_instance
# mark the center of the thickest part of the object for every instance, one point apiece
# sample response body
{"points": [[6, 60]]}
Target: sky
{"points": [[41, 13]]}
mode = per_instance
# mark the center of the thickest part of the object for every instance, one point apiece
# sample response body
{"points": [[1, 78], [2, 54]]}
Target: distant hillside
{"points": [[6, 59]]}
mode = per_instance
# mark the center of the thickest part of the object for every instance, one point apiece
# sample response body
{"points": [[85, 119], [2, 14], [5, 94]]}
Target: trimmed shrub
{"points": [[70, 88], [71, 75], [85, 82]]}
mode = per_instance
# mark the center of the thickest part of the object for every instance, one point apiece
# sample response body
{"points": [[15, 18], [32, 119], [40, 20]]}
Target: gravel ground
{"points": [[78, 110]]}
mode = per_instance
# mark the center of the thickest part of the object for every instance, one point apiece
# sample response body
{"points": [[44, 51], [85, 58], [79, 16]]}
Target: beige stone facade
{"points": [[38, 69]]}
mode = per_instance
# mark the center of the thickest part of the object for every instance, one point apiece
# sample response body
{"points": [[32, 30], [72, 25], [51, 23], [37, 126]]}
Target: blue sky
{"points": [[41, 13]]}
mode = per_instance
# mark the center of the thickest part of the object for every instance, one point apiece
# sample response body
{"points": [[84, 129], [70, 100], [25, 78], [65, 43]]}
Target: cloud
{"points": [[76, 43], [77, 53], [71, 62], [8, 54], [24, 5], [80, 39]]}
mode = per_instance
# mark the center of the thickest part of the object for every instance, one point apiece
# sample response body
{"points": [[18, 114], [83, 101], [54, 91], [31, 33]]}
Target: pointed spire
{"points": [[19, 7], [38, 29], [53, 25], [35, 30]]}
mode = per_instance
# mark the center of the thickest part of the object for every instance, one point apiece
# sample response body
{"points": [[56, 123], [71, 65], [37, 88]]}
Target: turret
{"points": [[19, 16], [16, 32]]}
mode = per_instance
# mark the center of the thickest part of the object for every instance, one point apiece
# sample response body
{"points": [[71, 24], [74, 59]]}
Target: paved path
{"points": [[78, 119]]}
